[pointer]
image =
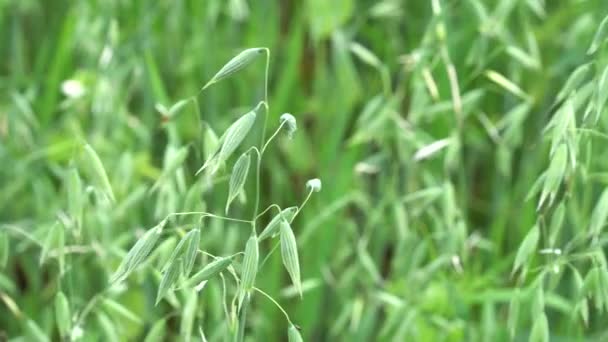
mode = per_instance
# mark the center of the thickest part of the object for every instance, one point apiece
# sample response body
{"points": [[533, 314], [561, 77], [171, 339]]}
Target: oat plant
{"points": [[183, 269]]}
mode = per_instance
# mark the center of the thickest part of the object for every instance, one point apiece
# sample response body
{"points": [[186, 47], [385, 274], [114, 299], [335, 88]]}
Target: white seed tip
{"points": [[314, 184], [72, 88], [290, 123]]}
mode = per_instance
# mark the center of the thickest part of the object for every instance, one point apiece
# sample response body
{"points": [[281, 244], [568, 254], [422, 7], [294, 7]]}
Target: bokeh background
{"points": [[425, 121]]}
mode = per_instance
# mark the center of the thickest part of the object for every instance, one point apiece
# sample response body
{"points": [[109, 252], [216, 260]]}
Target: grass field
{"points": [[440, 174]]}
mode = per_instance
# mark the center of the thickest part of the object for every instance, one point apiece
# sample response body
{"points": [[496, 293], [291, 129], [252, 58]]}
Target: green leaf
{"points": [[582, 305], [177, 106], [235, 134], [174, 158], [538, 299], [293, 334], [574, 81], [157, 332], [513, 317], [98, 171], [250, 266], [55, 241], [34, 333], [557, 220], [237, 63], [210, 270], [115, 307], [506, 84], [600, 36], [540, 329], [170, 277], [536, 187], [289, 253], [193, 242], [230, 140], [368, 263], [562, 124], [75, 197], [365, 55], [5, 249], [602, 93], [107, 326], [599, 215], [188, 313], [273, 226], [527, 247], [62, 315], [555, 174], [186, 249], [523, 57], [211, 143], [138, 253], [238, 177], [591, 286]]}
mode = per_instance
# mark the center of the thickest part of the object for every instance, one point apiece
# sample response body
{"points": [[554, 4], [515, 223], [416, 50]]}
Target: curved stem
{"points": [[217, 257], [266, 210], [22, 232], [186, 213], [254, 148], [272, 136], [275, 303], [303, 203], [228, 218], [89, 306], [206, 214]]}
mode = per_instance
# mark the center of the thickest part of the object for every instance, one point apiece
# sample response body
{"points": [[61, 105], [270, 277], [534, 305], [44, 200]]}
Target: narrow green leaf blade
{"points": [[574, 81], [62, 314], [235, 134], [193, 242], [555, 174], [599, 214], [75, 196], [273, 226], [237, 63], [209, 271], [238, 177], [157, 332], [250, 266], [600, 36], [505, 83], [138, 253], [289, 253], [4, 249], [115, 307], [513, 317], [293, 334], [188, 315], [170, 277], [527, 247], [98, 171], [540, 329]]}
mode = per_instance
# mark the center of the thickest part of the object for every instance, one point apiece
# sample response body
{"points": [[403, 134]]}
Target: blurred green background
{"points": [[397, 246]]}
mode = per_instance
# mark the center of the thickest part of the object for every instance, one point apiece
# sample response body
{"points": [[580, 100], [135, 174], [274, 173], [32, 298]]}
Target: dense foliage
{"points": [[461, 146]]}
